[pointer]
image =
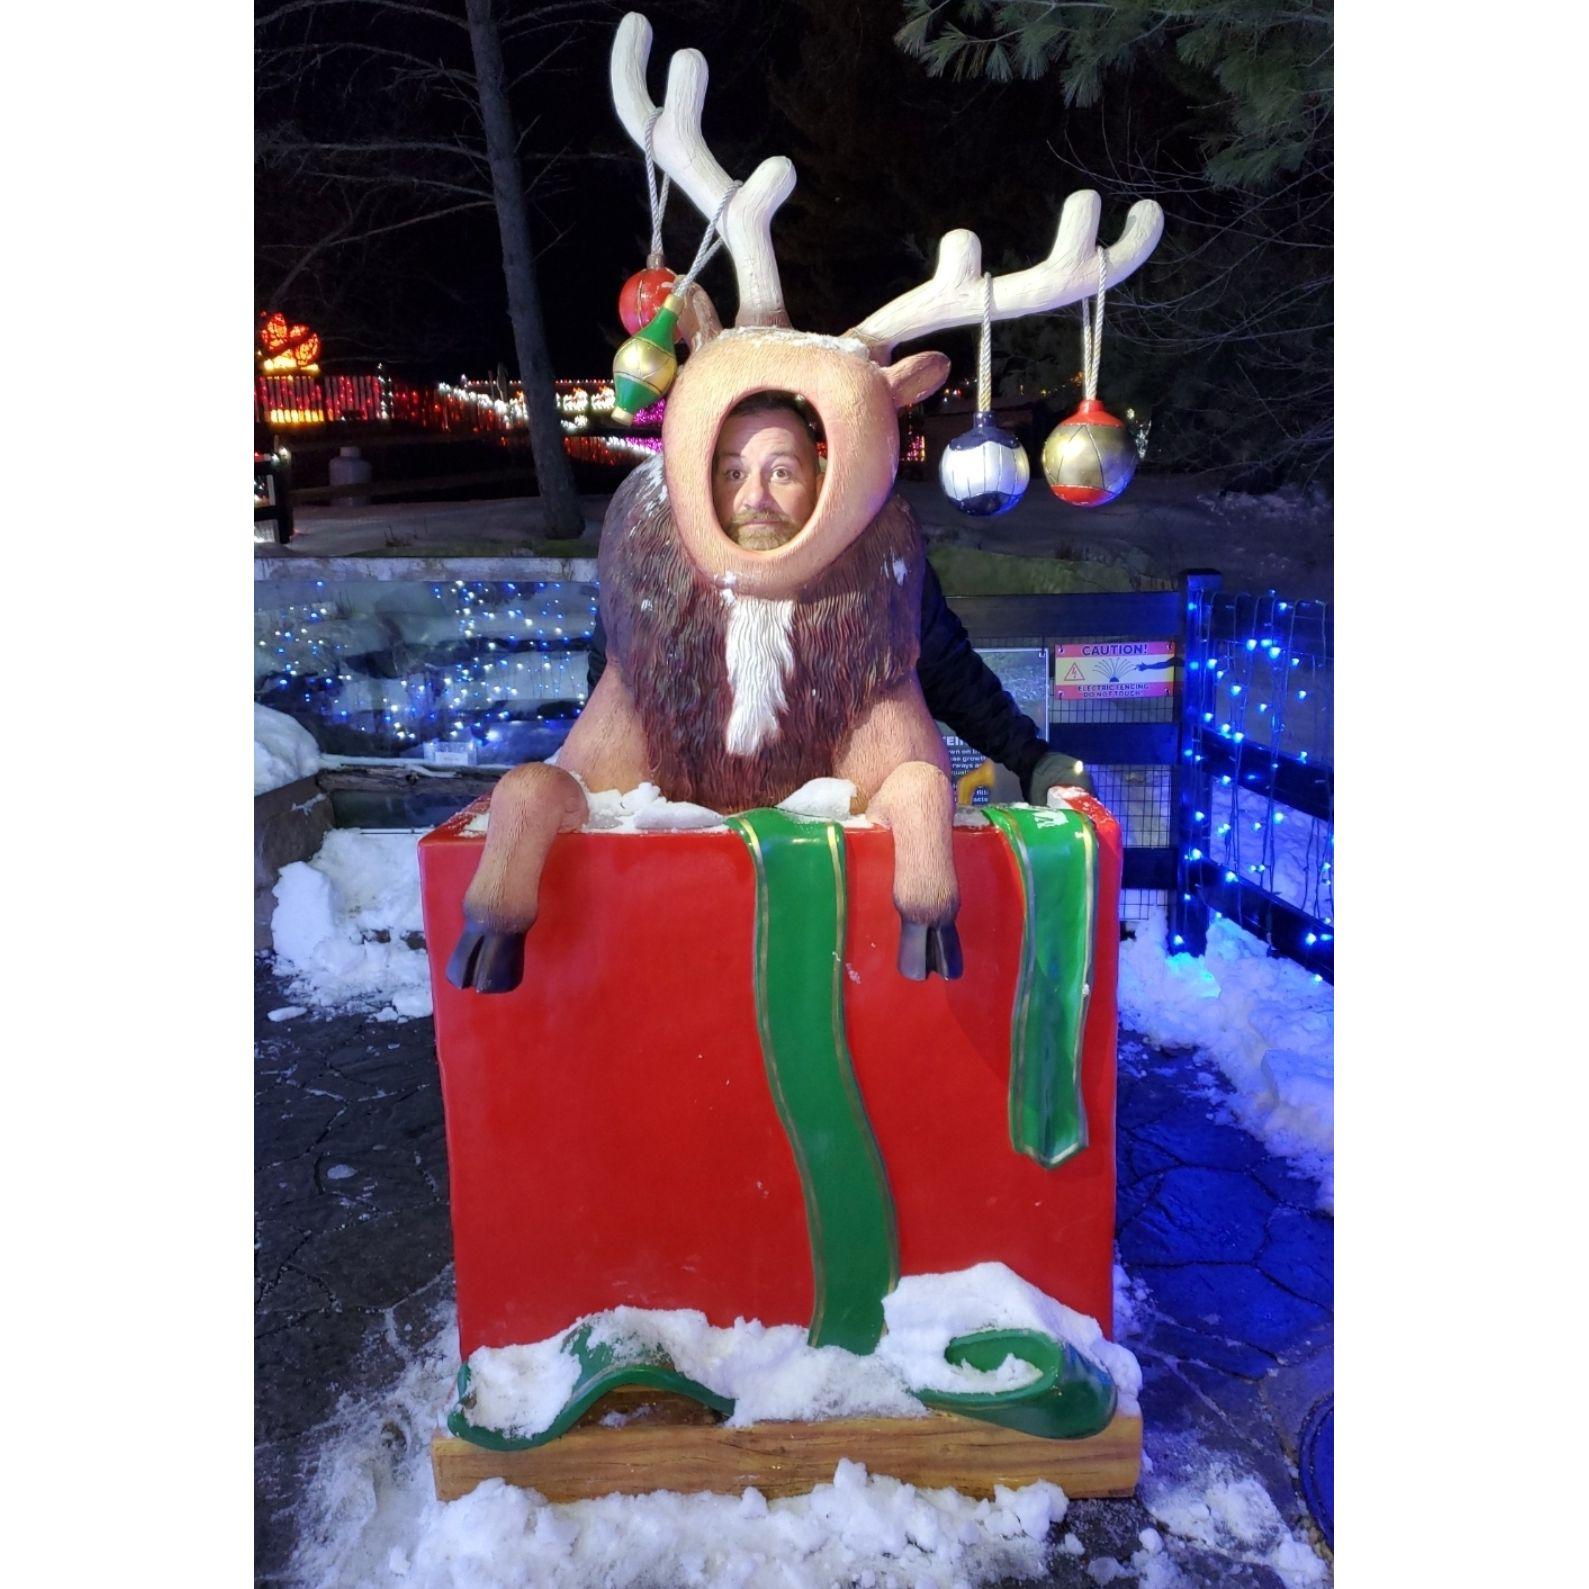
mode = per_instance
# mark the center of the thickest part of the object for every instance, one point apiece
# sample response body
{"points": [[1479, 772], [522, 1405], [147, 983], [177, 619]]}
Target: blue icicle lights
{"points": [[984, 472]]}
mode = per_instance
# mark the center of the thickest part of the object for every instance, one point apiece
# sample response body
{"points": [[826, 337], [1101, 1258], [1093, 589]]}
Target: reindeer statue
{"points": [[737, 675]]}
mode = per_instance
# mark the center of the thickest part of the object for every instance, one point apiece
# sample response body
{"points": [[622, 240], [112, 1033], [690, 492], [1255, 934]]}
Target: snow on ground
{"points": [[284, 750], [371, 1518], [1218, 1507], [1265, 1022], [347, 924]]}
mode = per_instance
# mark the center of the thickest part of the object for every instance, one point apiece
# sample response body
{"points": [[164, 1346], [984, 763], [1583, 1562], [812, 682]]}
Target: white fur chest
{"points": [[760, 654]]}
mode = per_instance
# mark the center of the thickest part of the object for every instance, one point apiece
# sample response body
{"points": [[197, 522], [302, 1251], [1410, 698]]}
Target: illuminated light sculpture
{"points": [[786, 1102], [289, 349]]}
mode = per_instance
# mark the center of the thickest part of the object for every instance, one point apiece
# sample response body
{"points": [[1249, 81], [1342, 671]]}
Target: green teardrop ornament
{"points": [[645, 365]]}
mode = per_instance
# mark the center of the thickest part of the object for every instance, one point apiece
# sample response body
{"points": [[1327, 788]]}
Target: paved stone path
{"points": [[353, 1254]]}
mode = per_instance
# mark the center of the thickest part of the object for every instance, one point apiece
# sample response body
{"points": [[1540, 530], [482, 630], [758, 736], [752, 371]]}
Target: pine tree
{"points": [[1221, 109]]}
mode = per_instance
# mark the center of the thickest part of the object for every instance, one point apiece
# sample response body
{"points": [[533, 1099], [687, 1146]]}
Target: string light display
{"points": [[478, 407], [1264, 691], [381, 669]]}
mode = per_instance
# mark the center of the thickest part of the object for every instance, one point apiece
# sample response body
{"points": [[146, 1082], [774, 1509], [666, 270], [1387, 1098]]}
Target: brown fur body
{"points": [[855, 635]]}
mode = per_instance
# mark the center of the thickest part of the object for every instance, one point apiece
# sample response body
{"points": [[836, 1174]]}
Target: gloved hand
{"points": [[1055, 771]]}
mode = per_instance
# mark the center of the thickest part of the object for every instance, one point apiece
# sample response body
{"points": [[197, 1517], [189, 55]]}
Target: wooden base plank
{"points": [[670, 1444]]}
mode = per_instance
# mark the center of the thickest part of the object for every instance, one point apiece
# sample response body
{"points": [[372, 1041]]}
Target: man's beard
{"points": [[763, 532]]}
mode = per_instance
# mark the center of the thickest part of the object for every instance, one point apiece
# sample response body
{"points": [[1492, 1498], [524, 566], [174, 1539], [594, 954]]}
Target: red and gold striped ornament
{"points": [[1089, 457]]}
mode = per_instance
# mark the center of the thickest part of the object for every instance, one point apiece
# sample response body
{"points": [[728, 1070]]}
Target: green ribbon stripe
{"points": [[601, 1369], [1056, 855], [799, 953]]}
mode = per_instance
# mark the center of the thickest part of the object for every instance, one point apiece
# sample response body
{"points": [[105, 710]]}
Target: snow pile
{"points": [[1265, 1022], [1233, 1514], [771, 1372], [1289, 501], [347, 924], [644, 810], [822, 797], [923, 1311], [1132, 1304], [284, 750], [371, 1518], [1150, 1567]]}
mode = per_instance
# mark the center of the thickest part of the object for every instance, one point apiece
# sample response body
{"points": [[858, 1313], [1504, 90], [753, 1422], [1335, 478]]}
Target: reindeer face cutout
{"points": [[858, 403]]}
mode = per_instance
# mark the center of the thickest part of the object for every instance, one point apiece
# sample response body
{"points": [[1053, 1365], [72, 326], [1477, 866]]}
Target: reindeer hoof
{"points": [[924, 950], [913, 950], [943, 951], [488, 962]]}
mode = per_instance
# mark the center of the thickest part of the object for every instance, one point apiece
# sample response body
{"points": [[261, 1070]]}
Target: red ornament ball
{"points": [[641, 297], [1089, 459]]}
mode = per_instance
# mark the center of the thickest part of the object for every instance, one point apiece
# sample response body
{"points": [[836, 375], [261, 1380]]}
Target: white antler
{"points": [[953, 297], [680, 151]]}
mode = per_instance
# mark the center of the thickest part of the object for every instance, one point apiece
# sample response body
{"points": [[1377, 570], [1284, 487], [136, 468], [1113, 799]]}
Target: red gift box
{"points": [[611, 1136]]}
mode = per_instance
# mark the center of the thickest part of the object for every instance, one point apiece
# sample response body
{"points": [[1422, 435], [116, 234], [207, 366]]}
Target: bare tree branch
{"points": [[292, 7]]}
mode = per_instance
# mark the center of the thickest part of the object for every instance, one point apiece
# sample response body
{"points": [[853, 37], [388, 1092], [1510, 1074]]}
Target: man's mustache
{"points": [[741, 521]]}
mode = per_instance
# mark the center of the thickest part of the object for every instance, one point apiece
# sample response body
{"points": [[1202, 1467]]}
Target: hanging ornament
{"points": [[643, 293], [645, 365], [1089, 458], [984, 472]]}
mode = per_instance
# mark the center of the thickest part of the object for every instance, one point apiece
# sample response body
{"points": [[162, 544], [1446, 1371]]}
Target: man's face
{"points": [[764, 478]]}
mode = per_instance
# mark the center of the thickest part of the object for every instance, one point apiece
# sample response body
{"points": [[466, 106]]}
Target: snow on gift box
{"points": [[712, 1091]]}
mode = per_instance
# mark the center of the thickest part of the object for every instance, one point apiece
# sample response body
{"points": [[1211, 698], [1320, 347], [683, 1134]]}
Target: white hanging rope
{"points": [[658, 198], [710, 243], [985, 349], [1092, 331]]}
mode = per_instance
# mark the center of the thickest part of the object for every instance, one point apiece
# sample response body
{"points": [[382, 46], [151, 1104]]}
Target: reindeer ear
{"points": [[915, 379]]}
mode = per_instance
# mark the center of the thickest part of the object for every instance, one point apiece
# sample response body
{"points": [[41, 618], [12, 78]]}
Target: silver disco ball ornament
{"points": [[985, 471], [1089, 459]]}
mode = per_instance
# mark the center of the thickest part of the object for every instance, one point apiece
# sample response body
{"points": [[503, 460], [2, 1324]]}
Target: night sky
{"points": [[1224, 338], [887, 160]]}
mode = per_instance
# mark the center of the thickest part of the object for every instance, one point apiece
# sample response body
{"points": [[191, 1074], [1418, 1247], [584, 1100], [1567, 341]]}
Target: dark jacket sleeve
{"points": [[596, 663], [963, 692]]}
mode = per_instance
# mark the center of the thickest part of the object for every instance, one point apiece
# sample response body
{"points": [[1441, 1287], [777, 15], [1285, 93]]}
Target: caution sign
{"points": [[1113, 670]]}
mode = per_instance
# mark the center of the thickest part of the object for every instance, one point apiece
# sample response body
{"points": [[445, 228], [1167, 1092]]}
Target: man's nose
{"points": [[756, 493]]}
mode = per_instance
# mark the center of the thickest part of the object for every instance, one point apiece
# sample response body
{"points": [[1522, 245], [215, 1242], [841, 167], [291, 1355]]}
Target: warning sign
{"points": [[1113, 670]]}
